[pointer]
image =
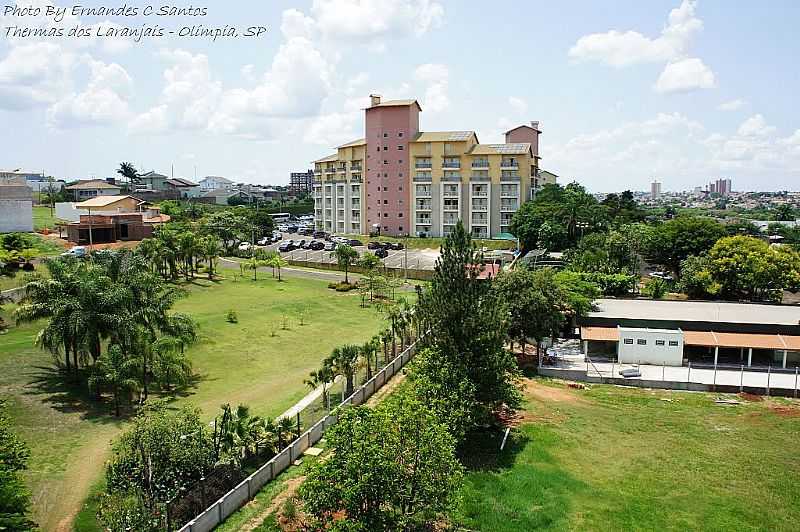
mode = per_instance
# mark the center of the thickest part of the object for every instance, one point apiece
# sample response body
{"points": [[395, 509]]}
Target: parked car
{"points": [[316, 245], [301, 243], [330, 246], [75, 251], [381, 253], [661, 275], [286, 245], [320, 234], [292, 228], [353, 242], [305, 231], [245, 246], [397, 246], [374, 244], [265, 241]]}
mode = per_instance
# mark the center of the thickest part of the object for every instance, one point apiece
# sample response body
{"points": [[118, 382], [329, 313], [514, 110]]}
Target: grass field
{"points": [[241, 362], [614, 458], [42, 218]]}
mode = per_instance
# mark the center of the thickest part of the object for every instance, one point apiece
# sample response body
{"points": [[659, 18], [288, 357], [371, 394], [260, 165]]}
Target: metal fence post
{"points": [[741, 379], [689, 375], [714, 382], [663, 369], [769, 372], [795, 381]]}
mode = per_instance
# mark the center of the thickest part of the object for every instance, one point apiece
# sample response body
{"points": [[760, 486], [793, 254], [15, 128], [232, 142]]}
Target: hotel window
{"points": [[386, 148], [400, 134], [385, 135], [400, 228], [659, 342], [386, 202], [400, 148], [385, 162], [629, 341], [673, 343], [641, 341]]}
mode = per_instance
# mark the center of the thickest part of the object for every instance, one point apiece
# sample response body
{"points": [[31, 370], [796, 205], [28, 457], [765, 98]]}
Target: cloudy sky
{"points": [[625, 90]]}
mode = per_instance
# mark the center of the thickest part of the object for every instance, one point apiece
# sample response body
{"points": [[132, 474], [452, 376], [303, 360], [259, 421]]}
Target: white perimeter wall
{"points": [[649, 352], [67, 211], [16, 216]]}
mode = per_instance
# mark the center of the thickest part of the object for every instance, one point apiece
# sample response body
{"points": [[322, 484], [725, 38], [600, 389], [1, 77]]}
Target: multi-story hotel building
{"points": [[399, 180]]}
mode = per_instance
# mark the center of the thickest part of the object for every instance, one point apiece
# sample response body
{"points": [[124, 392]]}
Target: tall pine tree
{"points": [[468, 328]]}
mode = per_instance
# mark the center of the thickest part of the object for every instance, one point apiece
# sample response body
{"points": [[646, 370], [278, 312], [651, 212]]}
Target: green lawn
{"points": [[240, 362], [42, 218], [614, 458]]}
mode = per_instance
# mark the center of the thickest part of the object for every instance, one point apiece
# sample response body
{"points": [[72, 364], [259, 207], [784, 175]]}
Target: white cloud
{"points": [[755, 126], [732, 105], [104, 101], [248, 72], [436, 77], [518, 105], [369, 21], [684, 75], [34, 74], [623, 48], [333, 129], [154, 121]]}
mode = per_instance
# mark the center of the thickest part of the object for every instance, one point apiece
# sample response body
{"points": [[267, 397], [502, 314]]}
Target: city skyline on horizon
{"points": [[622, 97]]}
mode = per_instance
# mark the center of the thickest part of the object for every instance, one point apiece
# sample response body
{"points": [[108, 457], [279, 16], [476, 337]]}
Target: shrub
{"points": [[232, 317], [342, 287], [655, 288]]}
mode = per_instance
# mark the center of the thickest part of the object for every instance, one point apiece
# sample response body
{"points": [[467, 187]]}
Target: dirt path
{"points": [[387, 388], [289, 491], [550, 394], [85, 468]]}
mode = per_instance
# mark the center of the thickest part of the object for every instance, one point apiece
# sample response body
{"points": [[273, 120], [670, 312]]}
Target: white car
{"points": [[76, 251], [264, 241], [245, 246]]}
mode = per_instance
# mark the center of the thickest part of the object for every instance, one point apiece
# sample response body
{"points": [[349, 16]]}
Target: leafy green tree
{"points": [[749, 268], [468, 328], [228, 226], [369, 261], [622, 208], [238, 432], [393, 468], [345, 255], [785, 212], [655, 288], [162, 453], [696, 280], [14, 495], [210, 250], [677, 239]]}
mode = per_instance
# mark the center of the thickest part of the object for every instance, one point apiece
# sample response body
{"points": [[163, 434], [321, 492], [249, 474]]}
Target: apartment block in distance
{"points": [[401, 181]]}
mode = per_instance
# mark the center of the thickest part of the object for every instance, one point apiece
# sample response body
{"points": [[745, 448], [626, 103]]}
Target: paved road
{"points": [[312, 396], [421, 259]]}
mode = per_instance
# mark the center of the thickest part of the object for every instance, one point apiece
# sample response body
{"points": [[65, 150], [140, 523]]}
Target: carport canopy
{"points": [[708, 338]]}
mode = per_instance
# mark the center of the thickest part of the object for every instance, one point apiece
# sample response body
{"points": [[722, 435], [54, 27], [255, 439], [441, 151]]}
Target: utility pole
{"points": [[90, 231]]}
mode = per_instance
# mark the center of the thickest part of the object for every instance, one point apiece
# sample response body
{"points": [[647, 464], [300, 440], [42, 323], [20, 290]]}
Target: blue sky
{"points": [[625, 91]]}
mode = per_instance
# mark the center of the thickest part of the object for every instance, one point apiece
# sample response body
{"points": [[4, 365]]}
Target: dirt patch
{"points": [[290, 490], [550, 394], [751, 397], [786, 411]]}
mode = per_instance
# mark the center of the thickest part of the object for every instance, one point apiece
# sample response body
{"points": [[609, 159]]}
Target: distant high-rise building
{"points": [[301, 181], [655, 190], [723, 187]]}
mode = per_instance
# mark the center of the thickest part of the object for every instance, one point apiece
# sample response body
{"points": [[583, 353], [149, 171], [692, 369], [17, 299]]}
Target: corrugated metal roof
{"points": [[396, 103], [92, 184], [702, 311], [519, 148], [328, 159], [601, 334], [103, 201], [359, 142], [443, 136]]}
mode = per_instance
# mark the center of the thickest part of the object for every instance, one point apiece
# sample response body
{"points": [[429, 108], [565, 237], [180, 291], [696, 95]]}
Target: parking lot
{"points": [[418, 259]]}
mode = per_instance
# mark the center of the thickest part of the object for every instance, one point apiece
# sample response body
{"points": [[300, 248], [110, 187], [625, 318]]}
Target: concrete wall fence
{"points": [[215, 514], [413, 273]]}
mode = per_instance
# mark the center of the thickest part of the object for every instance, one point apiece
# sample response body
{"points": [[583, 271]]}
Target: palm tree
{"points": [[344, 361], [211, 249], [170, 366], [238, 433], [345, 255], [284, 427], [321, 378], [116, 371], [279, 262], [385, 335], [129, 172], [368, 352]]}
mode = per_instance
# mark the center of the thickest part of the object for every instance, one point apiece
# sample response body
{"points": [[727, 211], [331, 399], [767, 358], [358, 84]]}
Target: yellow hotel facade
{"points": [[402, 181]]}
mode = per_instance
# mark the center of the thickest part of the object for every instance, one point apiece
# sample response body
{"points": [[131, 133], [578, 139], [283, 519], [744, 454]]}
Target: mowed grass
{"points": [[43, 218], [614, 458], [235, 362]]}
